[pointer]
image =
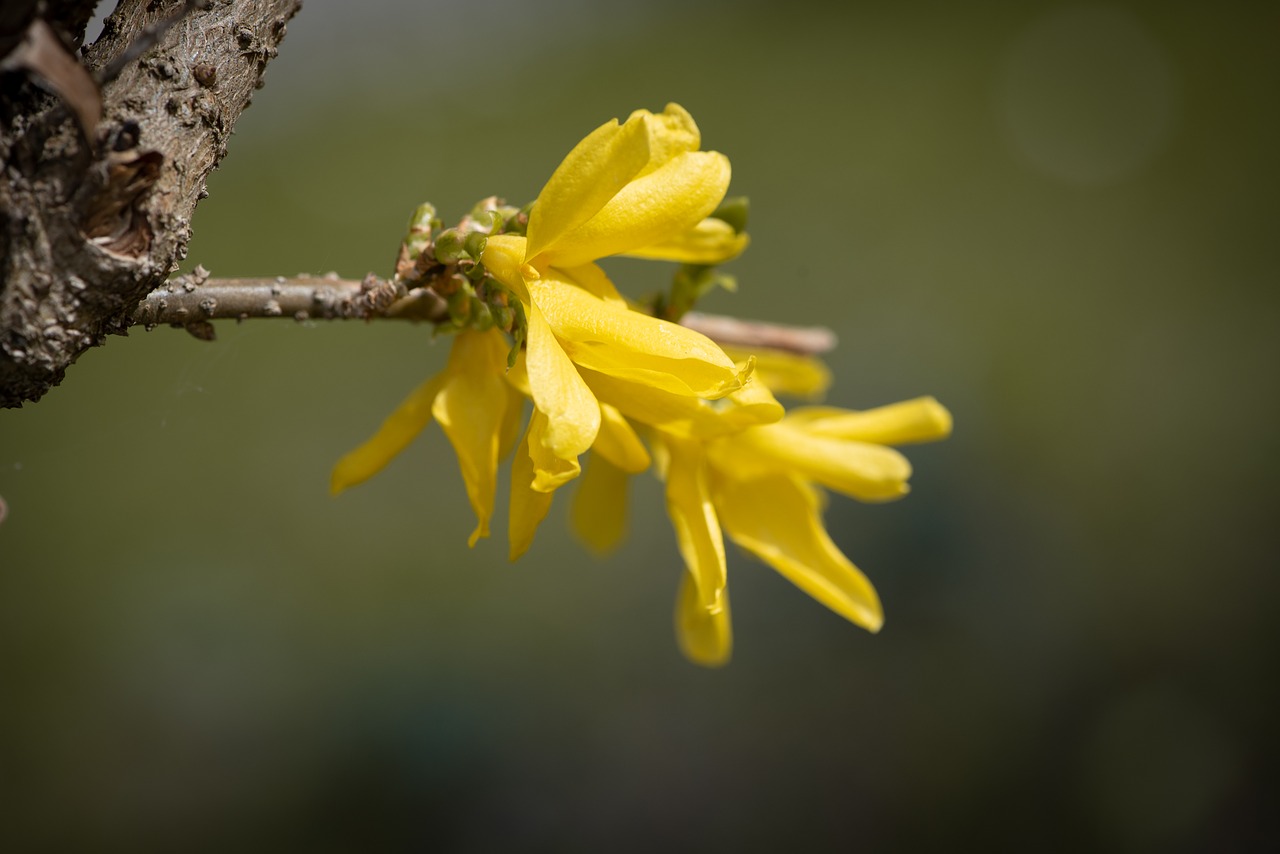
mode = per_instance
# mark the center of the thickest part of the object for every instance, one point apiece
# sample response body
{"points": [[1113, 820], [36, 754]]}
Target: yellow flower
{"points": [[640, 187], [478, 410], [762, 486]]}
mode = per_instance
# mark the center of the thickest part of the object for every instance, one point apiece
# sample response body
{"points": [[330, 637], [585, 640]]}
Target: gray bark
{"points": [[88, 228]]}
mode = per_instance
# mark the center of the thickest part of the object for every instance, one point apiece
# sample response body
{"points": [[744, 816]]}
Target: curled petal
{"points": [[472, 409], [599, 510], [528, 506], [711, 241], [705, 637], [778, 519], [395, 434], [650, 210], [671, 132], [858, 469], [549, 471], [920, 420], [591, 174], [630, 345], [558, 390], [787, 373], [694, 519]]}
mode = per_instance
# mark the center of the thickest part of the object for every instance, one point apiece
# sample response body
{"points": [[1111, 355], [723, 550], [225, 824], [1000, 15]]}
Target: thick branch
{"points": [[86, 231], [192, 301]]}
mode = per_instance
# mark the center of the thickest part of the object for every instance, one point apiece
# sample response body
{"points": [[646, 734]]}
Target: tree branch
{"points": [[192, 301], [88, 229]]}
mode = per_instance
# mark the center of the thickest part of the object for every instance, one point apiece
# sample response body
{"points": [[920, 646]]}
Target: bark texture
{"points": [[89, 227]]}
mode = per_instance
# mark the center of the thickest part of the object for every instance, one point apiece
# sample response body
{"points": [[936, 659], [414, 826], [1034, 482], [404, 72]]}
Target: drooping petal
{"points": [[683, 415], [652, 209], [471, 408], [558, 390], [705, 637], [395, 434], [549, 471], [630, 345], [599, 510], [512, 421], [694, 519], [858, 469], [778, 519], [920, 420], [528, 506], [712, 241], [591, 174], [618, 443], [786, 373]]}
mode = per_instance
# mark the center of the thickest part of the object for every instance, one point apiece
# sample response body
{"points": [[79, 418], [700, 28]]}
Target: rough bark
{"points": [[88, 228]]}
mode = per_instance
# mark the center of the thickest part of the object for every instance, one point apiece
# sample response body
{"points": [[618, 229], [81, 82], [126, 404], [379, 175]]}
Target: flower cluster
{"points": [[601, 373]]}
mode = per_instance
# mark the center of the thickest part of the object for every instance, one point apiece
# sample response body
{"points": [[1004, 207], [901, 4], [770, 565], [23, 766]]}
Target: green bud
{"points": [[421, 225], [502, 317], [460, 306], [449, 247], [481, 317], [474, 244], [734, 211]]}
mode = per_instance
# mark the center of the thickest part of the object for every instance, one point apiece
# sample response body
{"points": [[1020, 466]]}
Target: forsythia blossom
{"points": [[605, 376]]}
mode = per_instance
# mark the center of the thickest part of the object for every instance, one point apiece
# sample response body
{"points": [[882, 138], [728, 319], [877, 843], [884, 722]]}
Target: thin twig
{"points": [[803, 340], [192, 301]]}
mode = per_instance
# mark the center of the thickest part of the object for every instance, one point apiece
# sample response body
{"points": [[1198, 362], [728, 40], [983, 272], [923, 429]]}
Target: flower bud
{"points": [[449, 247]]}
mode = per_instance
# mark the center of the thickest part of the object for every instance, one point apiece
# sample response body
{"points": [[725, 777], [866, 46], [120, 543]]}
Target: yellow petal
{"points": [[395, 434], [858, 469], [558, 390], [549, 471], [503, 258], [591, 279], [599, 510], [704, 637], [472, 407], [694, 520], [671, 132], [518, 375], [591, 174], [920, 420], [630, 345], [512, 420], [712, 241], [787, 373], [777, 519], [618, 443], [650, 210], [683, 415], [528, 507]]}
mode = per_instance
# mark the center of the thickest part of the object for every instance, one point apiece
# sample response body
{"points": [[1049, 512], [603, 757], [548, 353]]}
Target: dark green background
{"points": [[1061, 220]]}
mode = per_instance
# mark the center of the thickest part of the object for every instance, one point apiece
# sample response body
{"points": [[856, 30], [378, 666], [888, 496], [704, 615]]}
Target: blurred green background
{"points": [[1059, 219]]}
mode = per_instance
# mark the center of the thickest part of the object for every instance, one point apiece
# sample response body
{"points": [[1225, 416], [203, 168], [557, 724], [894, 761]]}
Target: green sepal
{"points": [[734, 211], [690, 284]]}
